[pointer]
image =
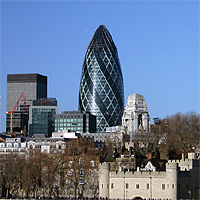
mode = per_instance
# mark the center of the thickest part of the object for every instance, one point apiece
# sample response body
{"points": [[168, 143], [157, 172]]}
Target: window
{"points": [[80, 161], [132, 164], [172, 186], [81, 172], [147, 185], [70, 163], [92, 163], [102, 185], [126, 185], [137, 186], [69, 172], [111, 185], [9, 145], [81, 181], [163, 186]]}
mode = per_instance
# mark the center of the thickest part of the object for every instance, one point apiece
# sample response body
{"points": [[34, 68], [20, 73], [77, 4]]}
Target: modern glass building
{"points": [[41, 117], [75, 121], [101, 87]]}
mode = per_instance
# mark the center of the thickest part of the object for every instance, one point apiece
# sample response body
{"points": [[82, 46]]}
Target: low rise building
{"points": [[35, 144], [13, 145]]}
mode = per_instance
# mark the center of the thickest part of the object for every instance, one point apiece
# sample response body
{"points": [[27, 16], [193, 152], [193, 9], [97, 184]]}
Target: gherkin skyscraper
{"points": [[101, 87]]}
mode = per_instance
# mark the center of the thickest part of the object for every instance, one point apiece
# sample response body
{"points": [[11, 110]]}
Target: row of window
{"points": [[68, 120], [137, 186], [12, 150], [12, 145], [81, 161], [69, 124], [69, 128]]}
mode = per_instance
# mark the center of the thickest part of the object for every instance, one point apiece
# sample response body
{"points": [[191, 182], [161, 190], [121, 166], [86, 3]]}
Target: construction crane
{"points": [[12, 112]]}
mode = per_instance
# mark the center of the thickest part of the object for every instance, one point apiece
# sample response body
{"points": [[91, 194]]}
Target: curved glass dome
{"points": [[101, 87]]}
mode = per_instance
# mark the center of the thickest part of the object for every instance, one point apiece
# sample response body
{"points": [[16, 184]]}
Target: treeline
{"points": [[69, 174], [179, 133]]}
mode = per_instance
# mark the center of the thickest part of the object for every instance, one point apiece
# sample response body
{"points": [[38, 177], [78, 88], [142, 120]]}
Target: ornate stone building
{"points": [[136, 118]]}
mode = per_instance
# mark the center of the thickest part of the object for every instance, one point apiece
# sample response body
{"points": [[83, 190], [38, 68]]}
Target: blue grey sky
{"points": [[157, 42]]}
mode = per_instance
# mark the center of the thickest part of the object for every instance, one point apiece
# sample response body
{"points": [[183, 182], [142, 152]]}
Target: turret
{"points": [[104, 180], [171, 177]]}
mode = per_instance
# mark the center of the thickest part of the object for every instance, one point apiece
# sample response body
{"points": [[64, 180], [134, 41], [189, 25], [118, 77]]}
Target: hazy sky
{"points": [[157, 41]]}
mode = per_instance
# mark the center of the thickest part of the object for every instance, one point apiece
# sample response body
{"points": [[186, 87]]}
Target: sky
{"points": [[157, 41]]}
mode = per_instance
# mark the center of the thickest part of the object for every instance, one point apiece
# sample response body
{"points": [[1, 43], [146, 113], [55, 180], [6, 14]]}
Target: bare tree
{"points": [[50, 174], [80, 159], [182, 134]]}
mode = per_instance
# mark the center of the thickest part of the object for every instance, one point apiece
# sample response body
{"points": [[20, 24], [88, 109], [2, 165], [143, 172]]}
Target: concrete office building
{"points": [[21, 90], [101, 87], [41, 116], [82, 122]]}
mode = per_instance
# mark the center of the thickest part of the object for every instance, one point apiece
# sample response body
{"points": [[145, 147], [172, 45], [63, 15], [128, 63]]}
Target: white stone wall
{"points": [[179, 181], [104, 180], [141, 184]]}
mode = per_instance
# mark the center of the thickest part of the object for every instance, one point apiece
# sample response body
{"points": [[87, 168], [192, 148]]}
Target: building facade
{"points": [[101, 87], [25, 148], [136, 118], [41, 116], [180, 180], [21, 90], [82, 122]]}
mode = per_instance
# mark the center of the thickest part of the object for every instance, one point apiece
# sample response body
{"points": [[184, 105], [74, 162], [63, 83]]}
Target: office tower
{"points": [[101, 86], [21, 90], [75, 121], [41, 116]]}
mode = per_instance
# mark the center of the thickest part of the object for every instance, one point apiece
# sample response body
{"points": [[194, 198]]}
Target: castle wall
{"points": [[141, 183], [104, 180], [179, 181]]}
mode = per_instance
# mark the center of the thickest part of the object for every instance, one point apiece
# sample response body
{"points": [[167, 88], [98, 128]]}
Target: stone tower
{"points": [[136, 118], [104, 180]]}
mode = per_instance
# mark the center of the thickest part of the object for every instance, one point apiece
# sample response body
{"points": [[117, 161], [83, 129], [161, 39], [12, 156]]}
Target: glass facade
{"points": [[75, 121], [41, 117], [101, 87]]}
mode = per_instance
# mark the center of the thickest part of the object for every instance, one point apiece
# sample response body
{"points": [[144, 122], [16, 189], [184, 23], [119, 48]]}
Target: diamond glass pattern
{"points": [[101, 87]]}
